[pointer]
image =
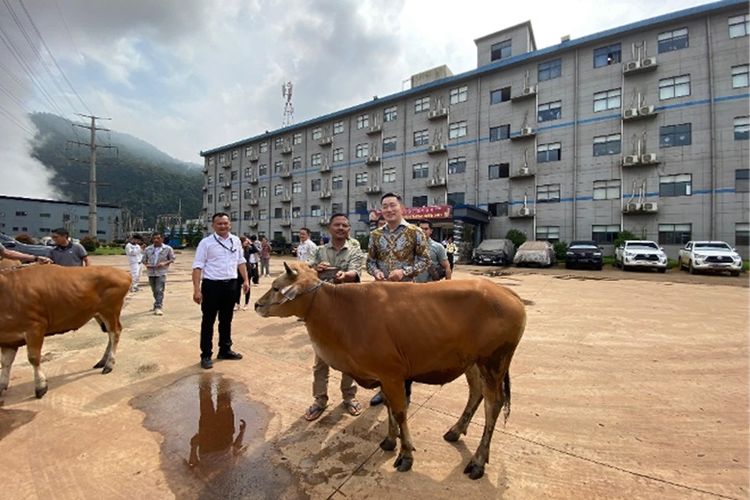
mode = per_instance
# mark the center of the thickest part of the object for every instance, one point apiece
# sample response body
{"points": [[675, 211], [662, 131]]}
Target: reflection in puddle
{"points": [[214, 441]]}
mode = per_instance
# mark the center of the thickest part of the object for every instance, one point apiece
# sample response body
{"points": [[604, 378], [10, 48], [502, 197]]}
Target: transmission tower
{"points": [[286, 93]]}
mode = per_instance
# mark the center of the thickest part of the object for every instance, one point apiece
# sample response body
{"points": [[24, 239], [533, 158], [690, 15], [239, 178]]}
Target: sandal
{"points": [[353, 407], [314, 412]]}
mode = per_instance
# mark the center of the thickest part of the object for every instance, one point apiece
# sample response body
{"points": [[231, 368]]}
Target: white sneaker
{"points": [[244, 308], [158, 312]]}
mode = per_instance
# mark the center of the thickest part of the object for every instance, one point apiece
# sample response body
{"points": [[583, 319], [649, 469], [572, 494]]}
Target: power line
{"points": [[15, 121]]}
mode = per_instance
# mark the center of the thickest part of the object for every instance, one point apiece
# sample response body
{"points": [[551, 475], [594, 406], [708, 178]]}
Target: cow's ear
{"points": [[289, 271], [289, 292]]}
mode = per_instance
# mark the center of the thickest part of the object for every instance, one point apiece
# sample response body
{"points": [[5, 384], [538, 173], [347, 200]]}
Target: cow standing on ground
{"points": [[464, 327], [37, 301]]}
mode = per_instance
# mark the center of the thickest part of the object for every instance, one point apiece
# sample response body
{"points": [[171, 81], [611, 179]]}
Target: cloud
{"points": [[22, 174]]}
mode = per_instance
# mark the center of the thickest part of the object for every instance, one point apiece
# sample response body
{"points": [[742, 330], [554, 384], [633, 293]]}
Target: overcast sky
{"points": [[188, 75]]}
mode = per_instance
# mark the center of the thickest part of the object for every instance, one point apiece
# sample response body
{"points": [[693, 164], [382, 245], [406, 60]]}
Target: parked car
{"points": [[498, 252], [13, 244], [640, 253], [713, 256], [535, 253], [582, 254]]}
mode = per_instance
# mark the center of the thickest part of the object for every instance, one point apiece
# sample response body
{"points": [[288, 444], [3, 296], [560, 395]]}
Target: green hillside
{"points": [[137, 176]]}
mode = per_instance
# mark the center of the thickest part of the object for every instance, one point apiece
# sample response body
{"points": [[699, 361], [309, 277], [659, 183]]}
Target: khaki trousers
{"points": [[320, 383]]}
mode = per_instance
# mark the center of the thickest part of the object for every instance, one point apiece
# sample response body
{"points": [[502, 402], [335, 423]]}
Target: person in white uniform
{"points": [[134, 251]]}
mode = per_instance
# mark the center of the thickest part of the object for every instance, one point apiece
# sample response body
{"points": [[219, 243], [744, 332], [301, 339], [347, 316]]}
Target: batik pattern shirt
{"points": [[403, 248]]}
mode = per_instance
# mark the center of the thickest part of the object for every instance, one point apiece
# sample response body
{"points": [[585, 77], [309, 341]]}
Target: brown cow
{"points": [[41, 300], [385, 333]]}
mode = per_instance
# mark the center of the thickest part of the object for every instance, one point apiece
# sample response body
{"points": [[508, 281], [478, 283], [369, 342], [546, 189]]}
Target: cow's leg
{"points": [[105, 357], [389, 442], [475, 397], [34, 351], [396, 400], [7, 356], [111, 324]]}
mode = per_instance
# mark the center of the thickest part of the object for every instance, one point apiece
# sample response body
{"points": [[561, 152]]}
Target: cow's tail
{"points": [[506, 396]]}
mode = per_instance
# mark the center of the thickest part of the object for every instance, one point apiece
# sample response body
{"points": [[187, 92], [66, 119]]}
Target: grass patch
{"points": [[109, 251]]}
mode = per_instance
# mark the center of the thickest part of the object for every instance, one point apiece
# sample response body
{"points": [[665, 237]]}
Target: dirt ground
{"points": [[625, 385]]}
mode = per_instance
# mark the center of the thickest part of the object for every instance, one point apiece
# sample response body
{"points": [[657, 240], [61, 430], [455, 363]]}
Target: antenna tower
{"points": [[286, 93]]}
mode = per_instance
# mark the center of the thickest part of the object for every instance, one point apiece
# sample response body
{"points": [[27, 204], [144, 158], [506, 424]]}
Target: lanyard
{"points": [[231, 243]]}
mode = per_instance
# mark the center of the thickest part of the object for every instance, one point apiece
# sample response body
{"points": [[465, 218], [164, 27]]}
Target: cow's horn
{"points": [[289, 270]]}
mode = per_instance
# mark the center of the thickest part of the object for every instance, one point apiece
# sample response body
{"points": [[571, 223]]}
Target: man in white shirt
{"points": [[306, 248], [134, 251], [218, 258]]}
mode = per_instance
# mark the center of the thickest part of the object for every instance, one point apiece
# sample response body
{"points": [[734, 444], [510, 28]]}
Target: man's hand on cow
{"points": [[197, 297], [396, 275], [322, 266], [379, 276], [44, 260]]}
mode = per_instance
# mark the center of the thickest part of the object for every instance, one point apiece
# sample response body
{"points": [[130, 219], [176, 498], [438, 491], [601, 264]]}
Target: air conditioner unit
{"points": [[632, 207], [373, 159], [523, 171], [646, 110], [631, 66], [373, 189], [630, 160], [648, 158], [531, 89], [524, 211], [648, 62], [650, 207], [434, 148], [437, 181], [630, 113], [526, 131]]}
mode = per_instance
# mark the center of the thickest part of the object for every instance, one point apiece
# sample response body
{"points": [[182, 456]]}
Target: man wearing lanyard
{"points": [[217, 260]]}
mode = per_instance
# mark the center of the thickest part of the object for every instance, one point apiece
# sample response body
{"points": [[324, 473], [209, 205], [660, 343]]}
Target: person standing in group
{"points": [[439, 267], [66, 252], [450, 249], [306, 247], [398, 251], [339, 261], [248, 251], [254, 259], [265, 256], [134, 251], [218, 260], [157, 258]]}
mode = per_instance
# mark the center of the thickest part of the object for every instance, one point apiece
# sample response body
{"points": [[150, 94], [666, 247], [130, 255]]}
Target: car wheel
{"points": [[735, 273], [691, 269], [598, 267], [623, 266], [662, 270]]}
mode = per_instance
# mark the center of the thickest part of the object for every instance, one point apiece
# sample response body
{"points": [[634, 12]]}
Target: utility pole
{"points": [[93, 217]]}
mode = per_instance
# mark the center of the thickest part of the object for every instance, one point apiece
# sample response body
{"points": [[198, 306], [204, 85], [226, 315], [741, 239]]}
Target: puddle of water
{"points": [[11, 420], [214, 441]]}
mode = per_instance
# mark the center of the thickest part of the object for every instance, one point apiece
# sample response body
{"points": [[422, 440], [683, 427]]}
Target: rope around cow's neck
{"points": [[314, 290]]}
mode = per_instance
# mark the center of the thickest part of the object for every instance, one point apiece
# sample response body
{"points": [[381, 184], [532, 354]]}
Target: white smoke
{"points": [[21, 174]]}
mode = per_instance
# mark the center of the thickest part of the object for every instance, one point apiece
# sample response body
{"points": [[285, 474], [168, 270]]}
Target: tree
{"points": [[516, 236]]}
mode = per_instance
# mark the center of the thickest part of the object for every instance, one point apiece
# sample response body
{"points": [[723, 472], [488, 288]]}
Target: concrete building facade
{"points": [[39, 217], [642, 128]]}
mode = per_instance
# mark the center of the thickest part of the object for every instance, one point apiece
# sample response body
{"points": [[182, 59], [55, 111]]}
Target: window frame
{"points": [[612, 99], [671, 186], [499, 133], [549, 70], [671, 40], [603, 145], [498, 171], [607, 189], [458, 95], [673, 136], [549, 191], [547, 149], [390, 114], [744, 23], [665, 84], [456, 130], [675, 234], [420, 170], [607, 55], [743, 72], [421, 104], [610, 233], [741, 127], [501, 50], [456, 165], [552, 110]]}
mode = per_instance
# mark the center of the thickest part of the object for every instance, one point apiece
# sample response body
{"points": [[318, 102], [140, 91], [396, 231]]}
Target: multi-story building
{"points": [[39, 217], [643, 128]]}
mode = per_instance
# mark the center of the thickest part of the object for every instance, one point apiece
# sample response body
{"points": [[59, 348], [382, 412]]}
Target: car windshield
{"points": [[713, 246], [644, 244], [588, 245], [492, 245]]}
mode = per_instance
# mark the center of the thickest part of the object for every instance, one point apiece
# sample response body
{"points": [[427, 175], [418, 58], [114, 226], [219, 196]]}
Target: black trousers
{"points": [[218, 298]]}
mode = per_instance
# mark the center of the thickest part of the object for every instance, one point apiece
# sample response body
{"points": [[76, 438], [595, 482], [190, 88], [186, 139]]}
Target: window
{"points": [[606, 56], [278, 190], [234, 196], [457, 165], [739, 26], [456, 130], [210, 180], [547, 193], [263, 191], [315, 211], [210, 198], [604, 234], [296, 212], [389, 144], [45, 216], [337, 208], [360, 179], [607, 145], [262, 170], [675, 185], [338, 128], [337, 182], [499, 132], [419, 201], [742, 234], [498, 171], [315, 160], [23, 213], [317, 133], [221, 178], [549, 111], [296, 162], [362, 150], [278, 213], [675, 135], [297, 139], [607, 190], [296, 187], [389, 175], [248, 154], [221, 158], [675, 234], [499, 209], [608, 99], [247, 215], [211, 159], [360, 207], [742, 128], [549, 70], [390, 114], [459, 94], [235, 154], [278, 143], [500, 95], [247, 172], [501, 50], [456, 199], [672, 40], [548, 233], [314, 185], [548, 152], [278, 167], [421, 137], [742, 180], [338, 154], [420, 171], [247, 193], [740, 76], [263, 147], [363, 121], [669, 88], [422, 104]]}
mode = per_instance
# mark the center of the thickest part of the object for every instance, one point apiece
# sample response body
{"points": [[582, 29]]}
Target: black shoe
{"points": [[229, 355], [206, 363], [377, 399]]}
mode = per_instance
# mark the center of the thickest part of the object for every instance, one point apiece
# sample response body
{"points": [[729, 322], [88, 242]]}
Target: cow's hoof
{"points": [[451, 436], [100, 364], [388, 444], [474, 471], [106, 370], [40, 391], [403, 464]]}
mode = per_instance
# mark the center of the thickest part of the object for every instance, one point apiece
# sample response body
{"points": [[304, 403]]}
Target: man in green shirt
{"points": [[338, 261]]}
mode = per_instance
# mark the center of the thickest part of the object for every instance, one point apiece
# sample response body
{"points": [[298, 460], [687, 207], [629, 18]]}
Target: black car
{"points": [[13, 244], [584, 254]]}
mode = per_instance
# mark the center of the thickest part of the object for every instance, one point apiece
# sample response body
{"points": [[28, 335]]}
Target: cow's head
{"points": [[297, 281]]}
